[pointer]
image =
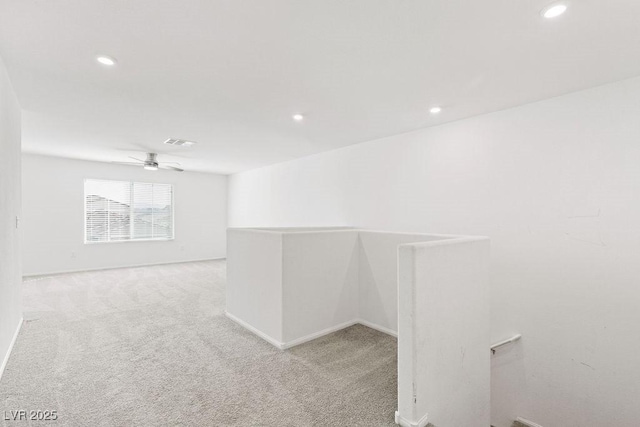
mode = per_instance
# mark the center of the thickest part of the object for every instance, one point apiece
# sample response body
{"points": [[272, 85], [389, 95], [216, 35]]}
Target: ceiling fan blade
{"points": [[173, 163], [147, 150], [171, 168], [142, 161], [126, 163]]}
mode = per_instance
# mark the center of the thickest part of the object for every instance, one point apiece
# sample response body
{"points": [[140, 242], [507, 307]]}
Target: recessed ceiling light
{"points": [[106, 60], [554, 10], [435, 110], [298, 117]]}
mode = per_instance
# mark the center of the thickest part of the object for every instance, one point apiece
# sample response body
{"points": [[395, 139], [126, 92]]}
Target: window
{"points": [[117, 211]]}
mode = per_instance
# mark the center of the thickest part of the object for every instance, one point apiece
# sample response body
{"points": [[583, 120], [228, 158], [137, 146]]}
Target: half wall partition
{"points": [[292, 285]]}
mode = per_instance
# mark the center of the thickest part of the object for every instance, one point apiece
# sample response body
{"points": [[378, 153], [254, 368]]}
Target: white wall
{"points": [[378, 276], [320, 281], [53, 219], [292, 285], [254, 281], [10, 274], [443, 334], [556, 186]]}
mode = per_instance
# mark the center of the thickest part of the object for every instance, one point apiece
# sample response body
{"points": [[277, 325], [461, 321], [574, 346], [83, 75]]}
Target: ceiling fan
{"points": [[151, 163]]}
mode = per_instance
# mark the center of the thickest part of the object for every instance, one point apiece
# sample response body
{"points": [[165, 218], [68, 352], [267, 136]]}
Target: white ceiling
{"points": [[230, 73]]}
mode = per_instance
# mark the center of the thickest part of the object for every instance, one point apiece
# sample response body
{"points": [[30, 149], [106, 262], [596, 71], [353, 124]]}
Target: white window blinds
{"points": [[119, 211]]}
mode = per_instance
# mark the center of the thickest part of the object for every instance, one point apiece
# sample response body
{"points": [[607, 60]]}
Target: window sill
{"points": [[130, 241]]}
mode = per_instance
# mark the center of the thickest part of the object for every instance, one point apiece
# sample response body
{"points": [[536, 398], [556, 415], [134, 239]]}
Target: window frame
{"points": [[160, 239]]}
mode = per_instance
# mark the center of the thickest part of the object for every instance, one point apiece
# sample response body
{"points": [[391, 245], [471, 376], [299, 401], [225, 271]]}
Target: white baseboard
{"points": [[13, 341], [422, 422], [318, 334], [378, 328], [527, 422], [310, 337], [258, 332], [85, 270]]}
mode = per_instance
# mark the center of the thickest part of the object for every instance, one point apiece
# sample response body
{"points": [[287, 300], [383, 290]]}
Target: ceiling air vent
{"points": [[179, 142]]}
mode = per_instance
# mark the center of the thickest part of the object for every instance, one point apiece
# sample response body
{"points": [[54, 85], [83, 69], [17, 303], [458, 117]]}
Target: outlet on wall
{"points": [[73, 254]]}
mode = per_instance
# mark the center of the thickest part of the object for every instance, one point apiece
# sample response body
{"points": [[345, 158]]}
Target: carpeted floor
{"points": [[150, 346]]}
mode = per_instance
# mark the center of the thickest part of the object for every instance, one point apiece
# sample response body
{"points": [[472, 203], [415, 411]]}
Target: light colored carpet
{"points": [[150, 346]]}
